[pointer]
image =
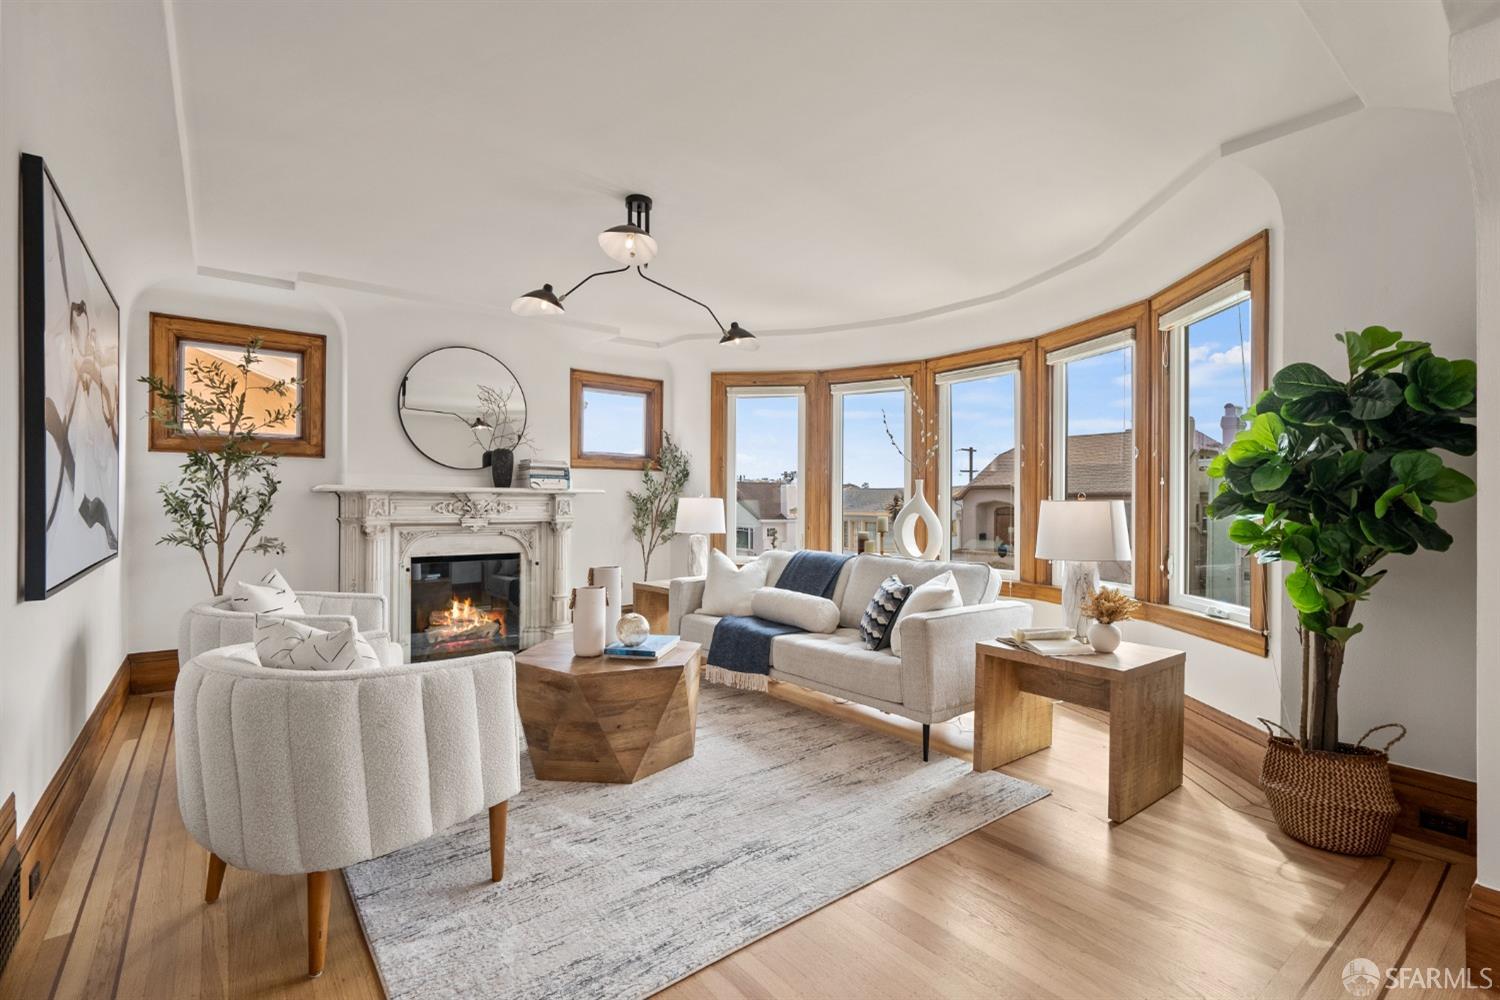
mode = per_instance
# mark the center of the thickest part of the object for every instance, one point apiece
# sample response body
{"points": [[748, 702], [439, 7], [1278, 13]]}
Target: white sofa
{"points": [[292, 772], [212, 625], [933, 678]]}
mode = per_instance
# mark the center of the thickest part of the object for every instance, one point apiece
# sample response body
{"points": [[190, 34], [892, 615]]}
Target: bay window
{"points": [[870, 445], [1093, 429], [765, 460], [979, 467]]}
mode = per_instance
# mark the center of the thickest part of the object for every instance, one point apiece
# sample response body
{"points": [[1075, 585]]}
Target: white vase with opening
{"points": [[904, 531]]}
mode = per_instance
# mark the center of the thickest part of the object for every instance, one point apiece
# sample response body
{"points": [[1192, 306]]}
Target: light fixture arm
{"points": [[674, 291], [563, 297]]}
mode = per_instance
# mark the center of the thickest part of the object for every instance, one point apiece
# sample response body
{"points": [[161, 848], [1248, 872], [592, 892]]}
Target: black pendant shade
{"points": [[538, 302]]}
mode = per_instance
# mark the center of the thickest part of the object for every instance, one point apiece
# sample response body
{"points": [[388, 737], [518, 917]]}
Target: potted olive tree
{"points": [[1333, 476]]}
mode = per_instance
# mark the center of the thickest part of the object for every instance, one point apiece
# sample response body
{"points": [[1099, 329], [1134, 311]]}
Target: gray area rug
{"points": [[621, 890]]}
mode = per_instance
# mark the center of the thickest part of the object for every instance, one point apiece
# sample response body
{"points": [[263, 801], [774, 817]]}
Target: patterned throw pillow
{"points": [[273, 593], [879, 619], [290, 645]]}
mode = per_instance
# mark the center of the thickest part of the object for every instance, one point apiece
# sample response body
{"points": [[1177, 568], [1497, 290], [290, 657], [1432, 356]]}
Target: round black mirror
{"points": [[458, 404]]}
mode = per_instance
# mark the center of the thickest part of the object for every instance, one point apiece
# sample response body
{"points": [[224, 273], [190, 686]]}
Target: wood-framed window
{"points": [[616, 420], [180, 342], [777, 486], [1136, 368]]}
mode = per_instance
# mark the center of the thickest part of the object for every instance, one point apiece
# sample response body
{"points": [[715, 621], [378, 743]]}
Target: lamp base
{"points": [[697, 555], [1080, 581]]}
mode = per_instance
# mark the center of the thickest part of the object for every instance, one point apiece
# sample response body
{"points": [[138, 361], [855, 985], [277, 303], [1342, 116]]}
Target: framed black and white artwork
{"points": [[70, 388]]}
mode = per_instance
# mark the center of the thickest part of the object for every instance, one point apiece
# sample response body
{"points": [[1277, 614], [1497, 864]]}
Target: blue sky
{"points": [[614, 422], [1099, 400]]}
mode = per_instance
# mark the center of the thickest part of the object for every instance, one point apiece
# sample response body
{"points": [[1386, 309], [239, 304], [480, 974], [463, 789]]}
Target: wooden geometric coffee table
{"points": [[604, 719]]}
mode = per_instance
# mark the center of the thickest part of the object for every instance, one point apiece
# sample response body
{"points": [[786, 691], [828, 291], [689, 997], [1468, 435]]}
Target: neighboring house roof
{"points": [[1097, 464], [762, 498], [871, 499]]}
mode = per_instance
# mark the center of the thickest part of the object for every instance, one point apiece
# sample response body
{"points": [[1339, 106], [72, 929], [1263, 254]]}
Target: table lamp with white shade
{"points": [[699, 517], [1081, 533]]}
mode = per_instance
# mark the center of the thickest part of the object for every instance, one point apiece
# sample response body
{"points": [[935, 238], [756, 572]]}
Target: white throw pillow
{"points": [[730, 588], [789, 607], [936, 594], [289, 645], [273, 593]]}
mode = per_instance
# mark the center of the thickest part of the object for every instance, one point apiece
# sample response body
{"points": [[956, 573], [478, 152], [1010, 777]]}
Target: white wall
{"points": [[84, 85], [163, 580], [1370, 222]]}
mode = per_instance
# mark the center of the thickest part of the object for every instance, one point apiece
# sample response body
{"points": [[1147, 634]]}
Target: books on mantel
{"points": [[654, 648], [1058, 641], [540, 474]]}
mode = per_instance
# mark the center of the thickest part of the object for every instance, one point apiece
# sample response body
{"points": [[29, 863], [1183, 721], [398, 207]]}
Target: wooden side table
{"points": [[649, 599], [1141, 687]]}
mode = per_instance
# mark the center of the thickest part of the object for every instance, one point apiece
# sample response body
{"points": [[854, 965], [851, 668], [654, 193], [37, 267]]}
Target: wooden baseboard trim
{"points": [[1240, 746], [1482, 933], [153, 672], [42, 837], [7, 825]]}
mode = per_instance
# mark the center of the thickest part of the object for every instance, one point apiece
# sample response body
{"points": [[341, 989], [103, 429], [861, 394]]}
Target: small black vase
{"points": [[502, 463]]}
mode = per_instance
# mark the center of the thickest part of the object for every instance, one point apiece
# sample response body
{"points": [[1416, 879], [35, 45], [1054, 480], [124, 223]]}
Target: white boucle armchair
{"points": [[293, 772], [212, 625]]}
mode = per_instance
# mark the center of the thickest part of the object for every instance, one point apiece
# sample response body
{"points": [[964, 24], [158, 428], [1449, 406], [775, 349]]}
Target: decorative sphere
{"points": [[633, 629]]}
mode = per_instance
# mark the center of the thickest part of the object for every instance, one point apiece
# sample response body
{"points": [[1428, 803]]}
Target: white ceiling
{"points": [[812, 163]]}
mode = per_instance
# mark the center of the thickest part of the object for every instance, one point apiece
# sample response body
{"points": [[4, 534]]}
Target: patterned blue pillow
{"points": [[879, 619]]}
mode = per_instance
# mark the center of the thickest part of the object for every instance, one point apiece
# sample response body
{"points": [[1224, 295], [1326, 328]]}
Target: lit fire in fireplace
{"points": [[462, 622]]}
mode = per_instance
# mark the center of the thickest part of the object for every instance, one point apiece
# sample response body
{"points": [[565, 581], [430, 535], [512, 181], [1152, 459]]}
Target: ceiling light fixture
{"points": [[633, 246]]}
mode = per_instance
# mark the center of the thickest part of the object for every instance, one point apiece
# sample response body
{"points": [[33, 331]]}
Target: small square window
{"points": [[617, 421]]}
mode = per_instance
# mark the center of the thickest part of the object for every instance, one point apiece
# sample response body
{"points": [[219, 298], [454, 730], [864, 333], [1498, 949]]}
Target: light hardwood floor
{"points": [[1198, 895]]}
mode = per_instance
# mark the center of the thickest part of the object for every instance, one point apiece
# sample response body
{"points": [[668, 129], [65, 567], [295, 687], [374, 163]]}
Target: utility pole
{"points": [[970, 469]]}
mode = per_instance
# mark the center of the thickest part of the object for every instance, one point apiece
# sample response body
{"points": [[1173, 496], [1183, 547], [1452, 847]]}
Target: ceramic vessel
{"points": [[1104, 638], [633, 629], [588, 621], [917, 510], [502, 463], [608, 577]]}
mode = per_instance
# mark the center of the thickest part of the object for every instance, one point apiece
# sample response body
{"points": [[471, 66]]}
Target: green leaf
{"points": [[1304, 593], [1453, 436], [1303, 379], [1245, 449], [1216, 467], [1267, 430], [1412, 467], [1403, 352], [1244, 531], [1373, 399], [1344, 634], [1378, 338], [1298, 549], [1383, 533], [1322, 409], [1446, 486], [1383, 502], [1355, 346], [1270, 476], [1267, 402], [1423, 531]]}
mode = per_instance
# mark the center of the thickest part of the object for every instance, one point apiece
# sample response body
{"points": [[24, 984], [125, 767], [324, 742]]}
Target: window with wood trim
{"points": [[765, 460], [1092, 450], [185, 351], [616, 420], [979, 464], [870, 443]]}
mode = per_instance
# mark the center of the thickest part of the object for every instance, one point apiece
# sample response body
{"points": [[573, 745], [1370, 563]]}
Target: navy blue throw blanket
{"points": [[741, 646]]}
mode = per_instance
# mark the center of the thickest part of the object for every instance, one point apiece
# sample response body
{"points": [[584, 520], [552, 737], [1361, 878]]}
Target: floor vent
{"points": [[10, 905]]}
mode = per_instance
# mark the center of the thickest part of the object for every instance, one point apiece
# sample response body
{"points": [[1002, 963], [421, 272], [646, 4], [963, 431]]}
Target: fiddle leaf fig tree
{"points": [[1334, 476]]}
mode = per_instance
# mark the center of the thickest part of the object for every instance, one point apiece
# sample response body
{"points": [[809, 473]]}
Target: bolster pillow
{"points": [[789, 607]]}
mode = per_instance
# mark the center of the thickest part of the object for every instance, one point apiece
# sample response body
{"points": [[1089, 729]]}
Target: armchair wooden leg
{"points": [[318, 884], [215, 878], [497, 841]]}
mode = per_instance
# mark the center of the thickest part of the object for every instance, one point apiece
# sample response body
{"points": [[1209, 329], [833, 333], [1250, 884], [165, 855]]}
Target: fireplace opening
{"points": [[462, 605]]}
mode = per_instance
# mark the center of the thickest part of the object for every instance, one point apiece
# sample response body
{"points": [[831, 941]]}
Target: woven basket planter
{"points": [[1335, 801]]}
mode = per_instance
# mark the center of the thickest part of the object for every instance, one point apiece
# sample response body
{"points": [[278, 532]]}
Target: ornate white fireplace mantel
{"points": [[383, 528]]}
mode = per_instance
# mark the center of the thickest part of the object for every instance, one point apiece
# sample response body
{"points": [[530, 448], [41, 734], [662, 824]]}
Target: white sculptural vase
{"points": [[588, 620], [608, 577], [918, 510]]}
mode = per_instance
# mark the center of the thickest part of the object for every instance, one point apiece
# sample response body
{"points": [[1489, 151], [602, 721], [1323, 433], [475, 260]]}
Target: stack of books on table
{"points": [[654, 648], [537, 474]]}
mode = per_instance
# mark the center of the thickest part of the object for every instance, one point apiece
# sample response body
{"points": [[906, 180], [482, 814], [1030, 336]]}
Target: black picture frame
{"points": [[44, 572]]}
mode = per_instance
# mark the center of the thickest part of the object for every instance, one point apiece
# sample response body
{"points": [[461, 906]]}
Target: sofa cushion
{"points": [[839, 660], [788, 607], [699, 628], [729, 588], [291, 645], [879, 619], [934, 595], [273, 593], [864, 573]]}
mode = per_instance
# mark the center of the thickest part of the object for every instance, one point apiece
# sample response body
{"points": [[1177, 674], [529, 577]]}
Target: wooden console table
{"points": [[1141, 687]]}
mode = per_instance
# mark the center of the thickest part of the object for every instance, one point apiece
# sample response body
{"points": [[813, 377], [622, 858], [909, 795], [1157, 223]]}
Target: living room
{"points": [[973, 428]]}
